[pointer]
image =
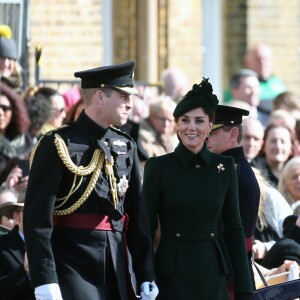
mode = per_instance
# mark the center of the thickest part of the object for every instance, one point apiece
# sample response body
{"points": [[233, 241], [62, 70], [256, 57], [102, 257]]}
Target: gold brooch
{"points": [[220, 167]]}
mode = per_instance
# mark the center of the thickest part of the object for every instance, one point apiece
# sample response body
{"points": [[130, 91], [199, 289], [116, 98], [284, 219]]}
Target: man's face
{"points": [[116, 108], [218, 141], [252, 139], [248, 91]]}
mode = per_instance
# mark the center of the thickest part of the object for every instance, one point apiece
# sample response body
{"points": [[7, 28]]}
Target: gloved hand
{"points": [[243, 296], [49, 291], [149, 291]]}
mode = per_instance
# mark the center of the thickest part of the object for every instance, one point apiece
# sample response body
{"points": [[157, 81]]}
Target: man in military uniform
{"points": [[85, 223], [225, 138]]}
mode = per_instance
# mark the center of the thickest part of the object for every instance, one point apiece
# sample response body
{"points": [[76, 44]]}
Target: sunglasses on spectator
{"points": [[5, 108]]}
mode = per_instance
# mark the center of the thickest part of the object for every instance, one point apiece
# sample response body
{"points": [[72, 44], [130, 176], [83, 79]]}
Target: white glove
{"points": [[49, 291], [149, 291]]}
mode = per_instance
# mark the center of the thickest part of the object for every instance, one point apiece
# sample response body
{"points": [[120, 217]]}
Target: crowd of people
{"points": [[110, 190]]}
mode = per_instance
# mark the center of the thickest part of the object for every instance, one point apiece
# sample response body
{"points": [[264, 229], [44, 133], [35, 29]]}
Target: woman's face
{"points": [[293, 182], [7, 66], [5, 113], [193, 127], [278, 146]]}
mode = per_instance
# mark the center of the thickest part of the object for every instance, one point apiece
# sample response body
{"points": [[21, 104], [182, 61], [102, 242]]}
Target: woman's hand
{"points": [[259, 250]]}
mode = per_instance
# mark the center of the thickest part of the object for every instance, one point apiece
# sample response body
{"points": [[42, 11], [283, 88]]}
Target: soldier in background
{"points": [[86, 230], [225, 138]]}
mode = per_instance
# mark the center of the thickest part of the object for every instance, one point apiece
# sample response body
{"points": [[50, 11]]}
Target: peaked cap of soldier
{"points": [[118, 77]]}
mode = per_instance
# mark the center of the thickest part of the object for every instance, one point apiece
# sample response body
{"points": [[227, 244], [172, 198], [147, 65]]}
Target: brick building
{"points": [[202, 37]]}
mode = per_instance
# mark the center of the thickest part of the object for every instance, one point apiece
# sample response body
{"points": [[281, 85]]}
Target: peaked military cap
{"points": [[201, 95], [118, 77], [228, 115]]}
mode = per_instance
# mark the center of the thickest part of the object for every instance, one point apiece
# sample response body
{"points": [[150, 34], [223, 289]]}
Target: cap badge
{"points": [[122, 186], [119, 143], [220, 167]]}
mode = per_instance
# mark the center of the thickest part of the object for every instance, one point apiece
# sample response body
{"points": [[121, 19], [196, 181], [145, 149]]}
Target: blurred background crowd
{"points": [[271, 133]]}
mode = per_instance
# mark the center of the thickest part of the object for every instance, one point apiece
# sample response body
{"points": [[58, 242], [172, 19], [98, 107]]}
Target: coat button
{"points": [[178, 235], [212, 235]]}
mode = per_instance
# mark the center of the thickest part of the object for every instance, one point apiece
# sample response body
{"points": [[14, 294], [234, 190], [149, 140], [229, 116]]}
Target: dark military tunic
{"points": [[190, 193], [86, 262], [249, 192]]}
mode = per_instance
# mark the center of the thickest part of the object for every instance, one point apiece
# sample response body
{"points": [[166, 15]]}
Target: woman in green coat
{"points": [[191, 192]]}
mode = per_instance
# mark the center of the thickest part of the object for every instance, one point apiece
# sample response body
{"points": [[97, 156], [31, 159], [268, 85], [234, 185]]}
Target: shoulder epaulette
{"points": [[121, 132], [59, 129]]}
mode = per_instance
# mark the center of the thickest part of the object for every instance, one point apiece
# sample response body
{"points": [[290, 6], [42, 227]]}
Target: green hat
{"points": [[200, 96], [118, 77]]}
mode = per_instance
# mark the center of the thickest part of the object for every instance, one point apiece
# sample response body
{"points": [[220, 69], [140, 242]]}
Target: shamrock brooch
{"points": [[220, 167]]}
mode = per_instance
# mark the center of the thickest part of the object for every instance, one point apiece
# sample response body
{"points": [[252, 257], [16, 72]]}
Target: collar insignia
{"points": [[122, 186], [119, 143]]}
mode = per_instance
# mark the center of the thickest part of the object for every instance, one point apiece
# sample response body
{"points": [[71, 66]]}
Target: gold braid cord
{"points": [[112, 180], [94, 167]]}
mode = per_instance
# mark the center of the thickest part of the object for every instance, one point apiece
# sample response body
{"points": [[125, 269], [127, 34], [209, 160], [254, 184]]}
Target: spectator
{"points": [[289, 102], [10, 70], [277, 149], [57, 102], [286, 248], [289, 181], [175, 83], [39, 110], [14, 137], [71, 97], [156, 132], [244, 86], [74, 111], [7, 195], [253, 137], [14, 271], [283, 118], [273, 209], [12, 176], [259, 58]]}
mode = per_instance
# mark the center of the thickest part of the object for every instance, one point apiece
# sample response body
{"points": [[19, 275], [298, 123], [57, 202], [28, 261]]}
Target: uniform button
{"points": [[197, 166], [212, 235], [178, 235]]}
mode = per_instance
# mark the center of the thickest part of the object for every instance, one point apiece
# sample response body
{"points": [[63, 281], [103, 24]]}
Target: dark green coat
{"points": [[190, 193]]}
